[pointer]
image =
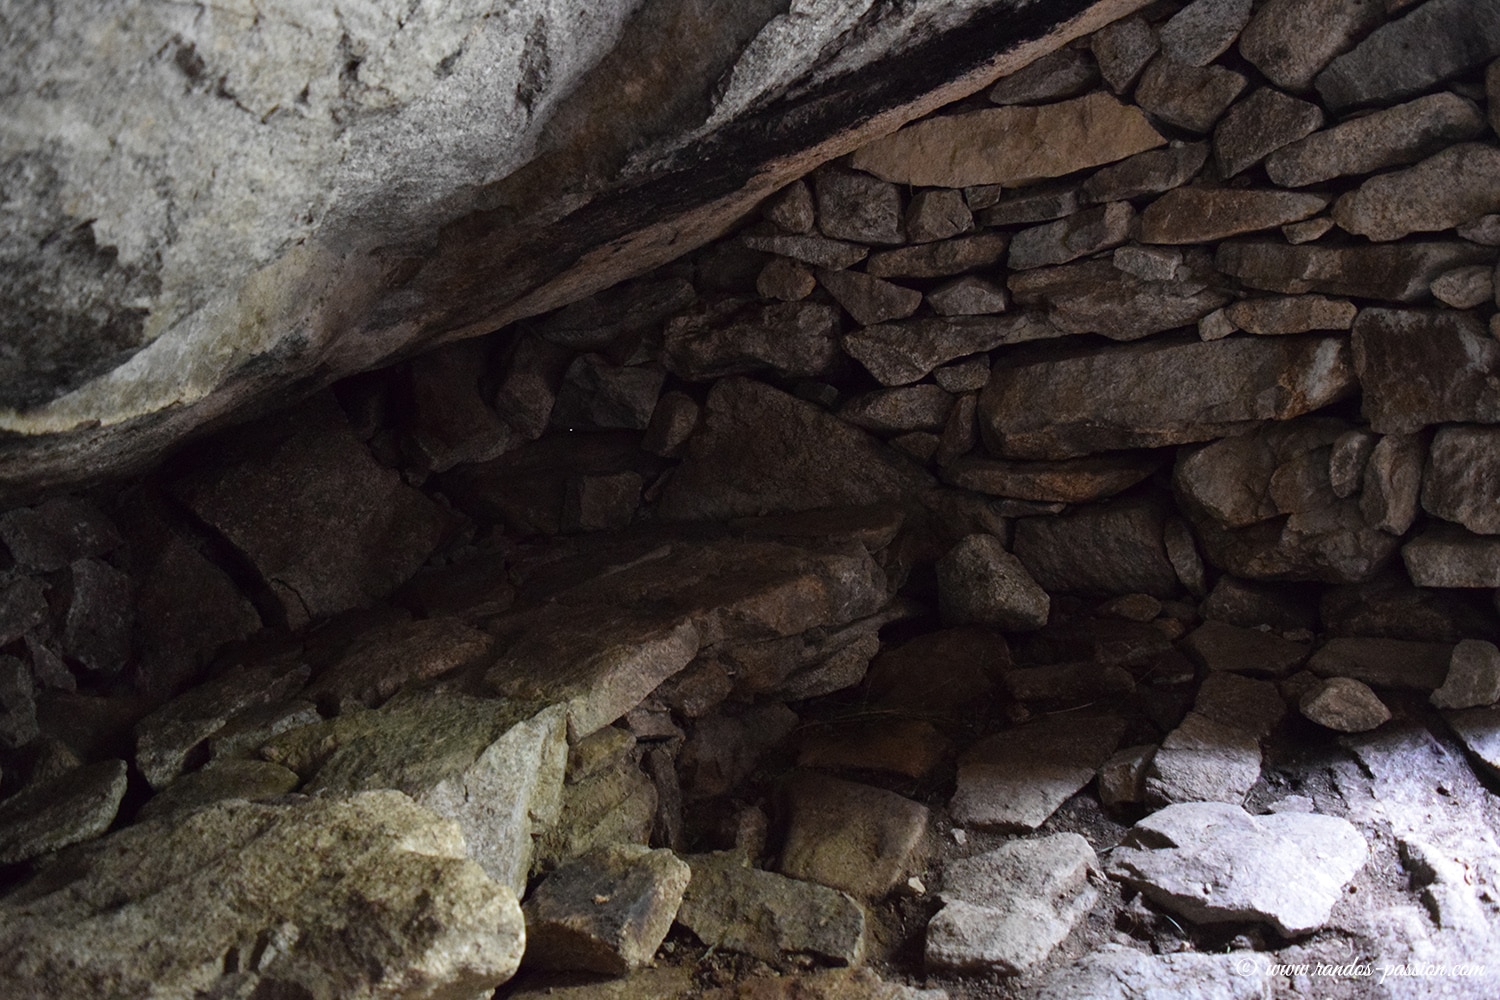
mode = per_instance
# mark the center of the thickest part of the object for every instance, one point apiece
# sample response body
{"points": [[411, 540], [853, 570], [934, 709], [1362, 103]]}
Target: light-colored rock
{"points": [[1307, 230], [1115, 972], [1449, 556], [1274, 316], [791, 208], [1153, 394], [1386, 138], [219, 780], [940, 258], [1188, 97], [1094, 296], [849, 836], [937, 214], [380, 661], [1203, 760], [979, 583], [1479, 729], [242, 894], [858, 208], [1395, 352], [1005, 910], [1067, 72], [1465, 287], [868, 299], [821, 984], [1345, 705], [1122, 50], [1384, 663], [1393, 477], [1150, 263], [1151, 172], [76, 806], [1122, 778], [1212, 862], [1079, 235], [1462, 480], [1203, 30], [1396, 273], [735, 907], [1347, 459], [1431, 43], [968, 296], [1202, 214], [1290, 41], [1009, 146], [1015, 779], [1455, 186]]}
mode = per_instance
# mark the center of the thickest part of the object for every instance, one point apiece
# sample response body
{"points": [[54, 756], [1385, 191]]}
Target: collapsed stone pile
{"points": [[966, 568]]}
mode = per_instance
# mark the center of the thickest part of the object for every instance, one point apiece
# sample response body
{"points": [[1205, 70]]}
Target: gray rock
{"points": [[1078, 480], [1079, 235], [57, 532], [1122, 49], [1307, 230], [76, 806], [854, 837], [1203, 30], [999, 206], [1212, 862], [1473, 679], [1015, 779], [1095, 297], [672, 423], [905, 352], [1400, 273], [937, 214], [1204, 214], [1455, 186], [868, 299], [1108, 549], [432, 923], [858, 208], [903, 408], [1149, 263], [1151, 172], [968, 296], [1189, 97], [1395, 352], [1242, 702], [1465, 287], [941, 258], [1479, 730], [1393, 477], [23, 604], [382, 660], [1259, 125], [980, 583], [1156, 393], [97, 628], [1432, 43], [1122, 778], [1290, 41], [1449, 556], [1114, 972], [1006, 910], [1386, 138], [785, 279], [605, 912], [1064, 73], [1345, 705], [791, 208], [796, 339], [735, 907], [1219, 647], [1278, 315], [447, 421], [220, 780], [1384, 663], [1009, 146], [1484, 230], [819, 251], [325, 528], [18, 725], [1203, 760]]}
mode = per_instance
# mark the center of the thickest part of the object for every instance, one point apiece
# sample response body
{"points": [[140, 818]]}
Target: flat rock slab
{"points": [[1004, 911], [1479, 730], [1097, 296], [1117, 973], [1010, 146], [1398, 273], [1212, 862], [225, 779], [1202, 215], [1113, 549], [733, 906], [1219, 647], [154, 909], [381, 661], [1079, 480], [1431, 43], [902, 353], [1453, 187], [1015, 779], [1204, 760], [605, 912], [69, 809], [1384, 663], [980, 583], [850, 836]]}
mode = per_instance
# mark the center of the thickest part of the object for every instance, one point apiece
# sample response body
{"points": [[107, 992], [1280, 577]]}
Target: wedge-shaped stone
{"points": [[1398, 354], [1078, 480], [1153, 394], [849, 836], [245, 898], [869, 299], [1401, 273], [1187, 96], [940, 259], [1122, 50], [1291, 40], [1344, 705], [902, 353], [1015, 779], [1202, 214], [1151, 172], [1078, 235], [1009, 146], [73, 807], [922, 407], [818, 251], [1212, 862], [1094, 296], [980, 583], [857, 207], [1260, 124], [380, 661], [1275, 316], [1387, 138], [1462, 481], [1458, 185], [1436, 41], [1449, 556]]}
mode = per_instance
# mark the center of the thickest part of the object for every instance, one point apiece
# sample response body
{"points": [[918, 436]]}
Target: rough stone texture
{"points": [[1275, 316], [1203, 214], [901, 353], [869, 299], [1462, 480], [1153, 394], [217, 781], [1079, 235], [1099, 549], [176, 907], [1187, 96], [980, 583], [1203, 760], [1078, 480], [1065, 73], [1015, 779], [1345, 705], [1010, 146], [940, 258], [937, 214], [1259, 125], [998, 206], [822, 984], [1217, 646], [818, 251], [968, 296], [1401, 273], [605, 912], [178, 285], [785, 279], [1465, 287], [18, 725], [1115, 972], [857, 838], [1203, 30], [1212, 862], [1449, 556], [1232, 700], [1392, 479], [1434, 42], [1384, 663], [1290, 41], [1004, 911], [1458, 185], [1386, 138], [789, 339], [1473, 679], [382, 660], [733, 906], [69, 809], [792, 208], [1399, 355], [858, 208], [1151, 172], [1094, 296], [325, 527], [1123, 49]]}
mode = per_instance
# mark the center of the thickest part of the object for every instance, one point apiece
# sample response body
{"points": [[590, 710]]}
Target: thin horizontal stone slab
{"points": [[1015, 779], [1202, 214], [1397, 273], [1078, 480], [904, 352], [1458, 185], [1436, 41]]}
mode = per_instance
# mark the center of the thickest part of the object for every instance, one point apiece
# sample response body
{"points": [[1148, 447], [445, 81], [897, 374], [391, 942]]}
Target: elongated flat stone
{"points": [[1436, 41], [1202, 215], [1458, 185], [905, 352], [1015, 779], [1399, 273]]}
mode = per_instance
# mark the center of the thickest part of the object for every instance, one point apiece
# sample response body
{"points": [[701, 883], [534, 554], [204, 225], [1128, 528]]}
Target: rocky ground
{"points": [[1051, 553]]}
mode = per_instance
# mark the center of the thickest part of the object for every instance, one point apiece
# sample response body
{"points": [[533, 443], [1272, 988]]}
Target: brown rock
{"points": [[797, 339], [901, 353], [904, 408], [941, 258], [379, 662], [1009, 146], [446, 420], [1186, 96], [1307, 230], [868, 299], [1462, 482], [1457, 185], [1397, 354], [785, 279], [1029, 204], [1015, 779], [1078, 480], [818, 251], [1153, 394], [1150, 263], [1066, 72], [850, 836], [1122, 50], [937, 214], [1151, 172], [1202, 215], [912, 748], [791, 208], [672, 423], [1094, 296], [1465, 287], [858, 208], [1384, 663], [1079, 235], [1259, 125], [979, 583], [1222, 648], [1387, 138], [968, 296], [1279, 315], [1290, 41], [597, 395], [1345, 705], [1108, 549], [1449, 556], [1392, 478], [1401, 273], [947, 674], [1241, 480]]}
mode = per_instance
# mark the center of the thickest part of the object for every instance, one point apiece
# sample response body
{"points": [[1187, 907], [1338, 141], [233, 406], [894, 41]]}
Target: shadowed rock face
{"points": [[232, 206]]}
